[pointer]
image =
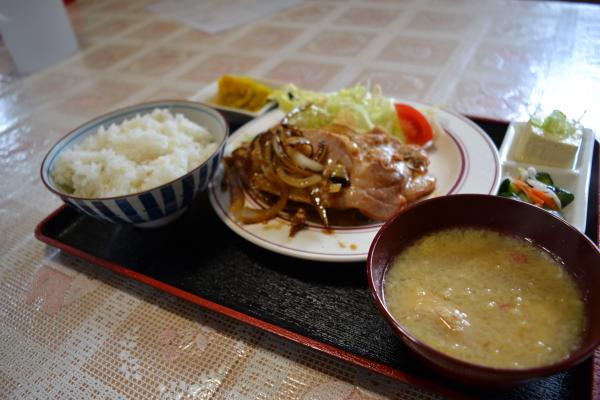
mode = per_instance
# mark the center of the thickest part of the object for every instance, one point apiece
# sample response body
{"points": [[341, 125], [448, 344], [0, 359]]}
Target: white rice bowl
{"points": [[138, 154]]}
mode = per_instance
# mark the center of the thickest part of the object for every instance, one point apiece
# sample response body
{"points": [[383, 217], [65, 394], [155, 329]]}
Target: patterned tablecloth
{"points": [[70, 329]]}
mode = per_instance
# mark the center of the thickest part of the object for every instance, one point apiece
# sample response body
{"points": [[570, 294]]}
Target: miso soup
{"points": [[486, 298]]}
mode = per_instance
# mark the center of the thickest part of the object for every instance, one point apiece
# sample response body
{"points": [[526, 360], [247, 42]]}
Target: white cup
{"points": [[37, 33]]}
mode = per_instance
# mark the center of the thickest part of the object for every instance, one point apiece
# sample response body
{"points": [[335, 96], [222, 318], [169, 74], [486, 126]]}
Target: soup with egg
{"points": [[486, 298]]}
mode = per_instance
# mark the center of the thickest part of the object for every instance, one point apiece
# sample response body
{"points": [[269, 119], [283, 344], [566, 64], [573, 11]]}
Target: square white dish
{"points": [[575, 180]]}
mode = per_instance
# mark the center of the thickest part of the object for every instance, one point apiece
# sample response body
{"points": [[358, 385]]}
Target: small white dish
{"points": [[575, 180], [208, 95], [464, 160]]}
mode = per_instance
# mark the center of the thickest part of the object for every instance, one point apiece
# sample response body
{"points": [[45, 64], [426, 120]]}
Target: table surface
{"points": [[68, 328]]}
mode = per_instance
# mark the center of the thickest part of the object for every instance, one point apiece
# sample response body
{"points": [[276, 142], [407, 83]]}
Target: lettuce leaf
{"points": [[358, 107]]}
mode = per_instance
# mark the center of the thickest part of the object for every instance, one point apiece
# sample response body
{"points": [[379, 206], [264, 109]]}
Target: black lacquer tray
{"points": [[325, 306]]}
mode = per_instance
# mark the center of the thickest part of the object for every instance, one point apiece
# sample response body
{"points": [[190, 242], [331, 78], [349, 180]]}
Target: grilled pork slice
{"points": [[384, 175]]}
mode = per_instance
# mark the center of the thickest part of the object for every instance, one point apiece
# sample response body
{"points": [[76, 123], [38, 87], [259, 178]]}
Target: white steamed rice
{"points": [[138, 154]]}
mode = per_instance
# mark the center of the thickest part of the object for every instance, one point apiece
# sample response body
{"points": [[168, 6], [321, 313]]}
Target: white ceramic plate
{"points": [[208, 94], [464, 160], [576, 180]]}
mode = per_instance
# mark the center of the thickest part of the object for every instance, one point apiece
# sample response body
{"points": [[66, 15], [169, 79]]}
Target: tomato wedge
{"points": [[414, 124]]}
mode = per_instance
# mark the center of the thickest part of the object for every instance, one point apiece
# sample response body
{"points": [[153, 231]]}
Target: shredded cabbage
{"points": [[358, 107], [556, 123]]}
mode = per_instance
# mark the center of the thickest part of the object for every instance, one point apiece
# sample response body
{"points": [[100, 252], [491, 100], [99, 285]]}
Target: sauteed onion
{"points": [[290, 165]]}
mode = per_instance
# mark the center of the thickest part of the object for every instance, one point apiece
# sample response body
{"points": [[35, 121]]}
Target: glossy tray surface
{"points": [[322, 305]]}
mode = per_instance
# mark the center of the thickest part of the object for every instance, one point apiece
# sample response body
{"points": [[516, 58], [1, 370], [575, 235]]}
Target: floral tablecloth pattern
{"points": [[71, 330]]}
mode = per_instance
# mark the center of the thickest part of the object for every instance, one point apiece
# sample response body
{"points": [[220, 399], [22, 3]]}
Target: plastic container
{"points": [[37, 33]]}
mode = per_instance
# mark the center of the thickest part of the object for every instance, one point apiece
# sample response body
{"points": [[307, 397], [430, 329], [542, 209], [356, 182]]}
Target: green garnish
{"points": [[556, 123]]}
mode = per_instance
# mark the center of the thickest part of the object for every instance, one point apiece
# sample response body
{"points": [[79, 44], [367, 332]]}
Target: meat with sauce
{"points": [[334, 168]]}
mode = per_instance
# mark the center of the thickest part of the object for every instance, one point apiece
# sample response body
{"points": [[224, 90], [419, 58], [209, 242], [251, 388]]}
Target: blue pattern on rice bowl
{"points": [[157, 205]]}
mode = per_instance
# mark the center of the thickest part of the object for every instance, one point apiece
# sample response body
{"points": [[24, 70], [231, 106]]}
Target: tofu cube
{"points": [[537, 147]]}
